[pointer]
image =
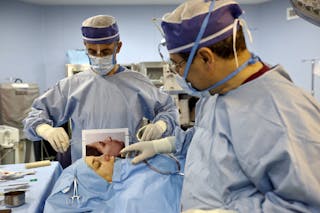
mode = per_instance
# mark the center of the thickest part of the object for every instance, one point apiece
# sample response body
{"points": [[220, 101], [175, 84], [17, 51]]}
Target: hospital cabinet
{"points": [[15, 104], [162, 77], [72, 69], [153, 70]]}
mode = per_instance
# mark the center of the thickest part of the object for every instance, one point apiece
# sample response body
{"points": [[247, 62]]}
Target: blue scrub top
{"points": [[254, 149], [91, 101]]}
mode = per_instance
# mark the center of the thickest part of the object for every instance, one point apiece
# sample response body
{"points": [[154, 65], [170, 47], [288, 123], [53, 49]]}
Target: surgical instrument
{"points": [[75, 198]]}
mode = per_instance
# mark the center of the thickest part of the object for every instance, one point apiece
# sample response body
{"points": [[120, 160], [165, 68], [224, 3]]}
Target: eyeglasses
{"points": [[175, 67]]}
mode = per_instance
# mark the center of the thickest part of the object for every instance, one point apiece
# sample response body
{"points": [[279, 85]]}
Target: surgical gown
{"points": [[91, 101], [134, 188], [254, 149]]}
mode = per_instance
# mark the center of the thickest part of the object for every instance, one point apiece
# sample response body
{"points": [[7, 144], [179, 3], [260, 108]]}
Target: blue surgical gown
{"points": [[134, 188], [91, 101], [254, 149]]}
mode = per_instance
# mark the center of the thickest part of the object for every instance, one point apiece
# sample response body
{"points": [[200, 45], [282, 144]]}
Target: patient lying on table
{"points": [[102, 165], [114, 185]]}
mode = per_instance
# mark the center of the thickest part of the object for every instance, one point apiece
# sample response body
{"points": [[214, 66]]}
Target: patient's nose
{"points": [[106, 157]]}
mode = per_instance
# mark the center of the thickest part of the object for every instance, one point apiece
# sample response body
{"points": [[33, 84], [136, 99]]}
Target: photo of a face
{"points": [[108, 146], [97, 142]]}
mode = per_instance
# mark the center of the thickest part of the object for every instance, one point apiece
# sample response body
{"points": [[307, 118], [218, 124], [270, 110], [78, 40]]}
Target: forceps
{"points": [[75, 198]]}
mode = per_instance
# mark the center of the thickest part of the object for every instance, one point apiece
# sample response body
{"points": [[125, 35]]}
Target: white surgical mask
{"points": [[102, 65]]}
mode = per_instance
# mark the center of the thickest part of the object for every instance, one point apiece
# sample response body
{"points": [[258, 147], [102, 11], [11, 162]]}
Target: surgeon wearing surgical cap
{"points": [[255, 145], [103, 97]]}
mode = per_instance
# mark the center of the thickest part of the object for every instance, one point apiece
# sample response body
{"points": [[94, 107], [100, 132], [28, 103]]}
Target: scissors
{"points": [[75, 198]]}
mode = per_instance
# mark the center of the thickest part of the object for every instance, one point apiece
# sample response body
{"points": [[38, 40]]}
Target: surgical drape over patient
{"points": [[134, 189]]}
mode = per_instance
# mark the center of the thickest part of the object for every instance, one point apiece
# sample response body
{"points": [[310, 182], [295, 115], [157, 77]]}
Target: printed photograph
{"points": [[96, 142]]}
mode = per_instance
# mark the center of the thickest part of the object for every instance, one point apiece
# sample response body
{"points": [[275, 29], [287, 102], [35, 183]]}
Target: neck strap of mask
{"points": [[252, 60], [114, 53]]}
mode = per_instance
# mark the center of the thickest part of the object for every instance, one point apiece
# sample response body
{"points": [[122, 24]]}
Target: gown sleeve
{"points": [[53, 108], [183, 140]]}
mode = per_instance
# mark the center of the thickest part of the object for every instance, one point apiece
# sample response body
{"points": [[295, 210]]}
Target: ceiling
{"points": [[122, 2]]}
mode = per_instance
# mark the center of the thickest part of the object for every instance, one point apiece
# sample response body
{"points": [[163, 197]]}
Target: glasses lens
{"points": [[172, 66]]}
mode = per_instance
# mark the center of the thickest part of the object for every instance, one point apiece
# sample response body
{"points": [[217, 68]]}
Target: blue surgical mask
{"points": [[102, 65], [206, 92], [187, 87]]}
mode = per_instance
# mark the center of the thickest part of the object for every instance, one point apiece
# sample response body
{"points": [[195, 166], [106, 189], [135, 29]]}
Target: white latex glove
{"points": [[57, 137], [209, 211], [149, 149], [152, 131]]}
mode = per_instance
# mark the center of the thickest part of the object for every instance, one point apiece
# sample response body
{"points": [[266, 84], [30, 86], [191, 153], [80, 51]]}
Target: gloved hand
{"points": [[57, 137], [152, 131], [149, 149], [209, 211]]}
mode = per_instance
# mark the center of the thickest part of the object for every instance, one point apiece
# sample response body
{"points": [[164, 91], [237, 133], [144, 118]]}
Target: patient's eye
{"points": [[96, 164], [102, 143]]}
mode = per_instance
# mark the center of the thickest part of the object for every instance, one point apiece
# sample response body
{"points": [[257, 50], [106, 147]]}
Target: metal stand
{"points": [[313, 72]]}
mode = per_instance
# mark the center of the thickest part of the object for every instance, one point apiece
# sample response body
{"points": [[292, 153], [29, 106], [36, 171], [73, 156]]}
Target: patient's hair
{"points": [[92, 151]]}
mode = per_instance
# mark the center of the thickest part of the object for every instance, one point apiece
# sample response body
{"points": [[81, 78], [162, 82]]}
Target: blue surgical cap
{"points": [[100, 29], [182, 26]]}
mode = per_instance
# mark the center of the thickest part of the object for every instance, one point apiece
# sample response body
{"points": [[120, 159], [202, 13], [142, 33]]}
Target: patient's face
{"points": [[109, 146], [102, 165]]}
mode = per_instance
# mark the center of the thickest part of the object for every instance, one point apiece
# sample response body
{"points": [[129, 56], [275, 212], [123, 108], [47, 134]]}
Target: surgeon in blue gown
{"points": [[255, 145], [114, 185], [105, 96]]}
